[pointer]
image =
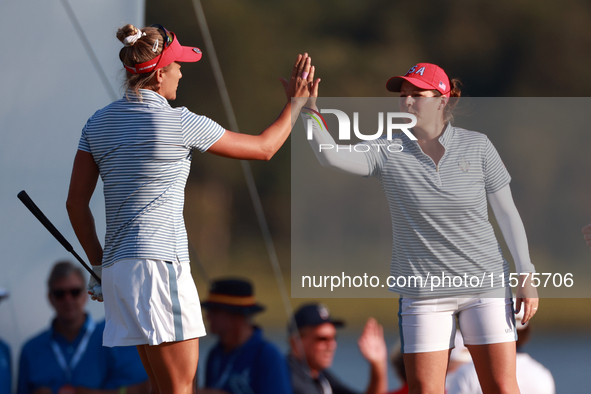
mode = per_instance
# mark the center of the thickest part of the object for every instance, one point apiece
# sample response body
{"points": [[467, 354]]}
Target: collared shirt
{"points": [[143, 150], [5, 369], [256, 367], [98, 368], [439, 212], [304, 383]]}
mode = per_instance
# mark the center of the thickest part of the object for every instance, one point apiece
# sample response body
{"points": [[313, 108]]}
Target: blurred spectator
{"points": [[69, 356], [398, 364], [242, 362], [532, 377], [587, 234], [313, 345], [5, 361]]}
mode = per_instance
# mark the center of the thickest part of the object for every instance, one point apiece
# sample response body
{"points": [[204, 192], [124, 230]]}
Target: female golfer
{"points": [[141, 147], [437, 185]]}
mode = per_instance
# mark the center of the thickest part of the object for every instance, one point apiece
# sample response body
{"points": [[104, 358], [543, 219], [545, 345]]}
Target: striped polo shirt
{"points": [[143, 149], [439, 212]]}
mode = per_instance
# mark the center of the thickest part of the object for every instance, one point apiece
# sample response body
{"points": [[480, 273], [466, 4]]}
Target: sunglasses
{"points": [[168, 37], [325, 339], [59, 294]]}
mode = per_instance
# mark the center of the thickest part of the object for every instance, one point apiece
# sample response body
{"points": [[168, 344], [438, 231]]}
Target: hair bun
{"points": [[129, 34]]}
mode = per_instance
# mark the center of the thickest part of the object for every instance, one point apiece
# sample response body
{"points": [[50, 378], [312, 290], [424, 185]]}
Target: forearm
{"points": [[512, 228], [84, 227], [329, 154], [274, 136], [378, 383]]}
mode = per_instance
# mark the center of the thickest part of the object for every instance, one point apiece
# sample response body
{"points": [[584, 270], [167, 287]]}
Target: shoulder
{"points": [[469, 136], [40, 340], [338, 387]]}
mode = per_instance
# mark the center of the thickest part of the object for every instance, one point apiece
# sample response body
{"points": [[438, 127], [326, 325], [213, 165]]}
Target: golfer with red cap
{"points": [[142, 147], [437, 185]]}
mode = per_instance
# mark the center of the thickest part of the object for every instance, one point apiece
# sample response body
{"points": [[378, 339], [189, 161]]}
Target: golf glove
{"points": [[94, 288]]}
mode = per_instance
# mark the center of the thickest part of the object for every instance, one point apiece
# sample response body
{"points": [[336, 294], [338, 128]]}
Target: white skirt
{"points": [[148, 302]]}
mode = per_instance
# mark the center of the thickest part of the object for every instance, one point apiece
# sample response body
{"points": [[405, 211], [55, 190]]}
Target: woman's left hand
{"points": [[527, 294]]}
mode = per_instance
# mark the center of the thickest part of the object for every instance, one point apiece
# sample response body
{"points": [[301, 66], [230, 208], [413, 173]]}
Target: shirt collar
{"points": [[447, 135], [83, 329], [147, 96], [444, 138]]}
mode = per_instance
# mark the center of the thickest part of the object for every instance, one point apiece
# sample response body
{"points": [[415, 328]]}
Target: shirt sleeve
{"points": [[23, 373], [5, 369], [273, 376], [336, 385], [125, 368], [83, 144], [377, 153], [199, 132], [496, 175]]}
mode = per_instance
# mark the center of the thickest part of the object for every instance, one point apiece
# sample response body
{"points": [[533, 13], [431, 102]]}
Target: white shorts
{"points": [[150, 302], [429, 325]]}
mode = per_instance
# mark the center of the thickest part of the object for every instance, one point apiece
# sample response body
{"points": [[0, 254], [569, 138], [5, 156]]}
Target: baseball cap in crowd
{"points": [[173, 52], [423, 76], [232, 295], [3, 294], [313, 315]]}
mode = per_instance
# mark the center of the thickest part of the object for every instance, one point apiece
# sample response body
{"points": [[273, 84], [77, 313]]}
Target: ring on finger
{"points": [[304, 74]]}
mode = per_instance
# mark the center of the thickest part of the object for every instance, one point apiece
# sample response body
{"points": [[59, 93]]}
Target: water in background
{"points": [[567, 355]]}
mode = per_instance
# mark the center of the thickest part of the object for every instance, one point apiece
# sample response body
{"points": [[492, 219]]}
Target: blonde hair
{"points": [[142, 50]]}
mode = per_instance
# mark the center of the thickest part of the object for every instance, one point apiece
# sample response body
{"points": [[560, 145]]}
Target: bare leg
{"points": [[142, 352], [173, 365], [425, 372], [495, 366]]}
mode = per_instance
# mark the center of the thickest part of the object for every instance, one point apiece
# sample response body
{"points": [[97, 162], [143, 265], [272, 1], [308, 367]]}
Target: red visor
{"points": [[423, 76], [171, 53]]}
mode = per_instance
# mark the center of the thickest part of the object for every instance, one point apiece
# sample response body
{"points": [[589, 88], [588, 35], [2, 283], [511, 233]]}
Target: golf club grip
{"points": [[24, 197]]}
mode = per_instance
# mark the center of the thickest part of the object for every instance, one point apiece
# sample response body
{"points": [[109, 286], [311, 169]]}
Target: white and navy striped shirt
{"points": [[439, 213], [143, 149]]}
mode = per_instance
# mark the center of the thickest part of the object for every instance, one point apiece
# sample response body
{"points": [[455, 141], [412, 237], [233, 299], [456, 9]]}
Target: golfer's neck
{"points": [[69, 328]]}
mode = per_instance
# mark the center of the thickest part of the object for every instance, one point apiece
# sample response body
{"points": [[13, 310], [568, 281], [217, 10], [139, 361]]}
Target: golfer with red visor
{"points": [[141, 147], [438, 181]]}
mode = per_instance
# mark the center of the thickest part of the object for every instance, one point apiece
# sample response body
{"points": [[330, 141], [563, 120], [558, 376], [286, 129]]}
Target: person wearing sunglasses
{"points": [[142, 148], [69, 356], [313, 344]]}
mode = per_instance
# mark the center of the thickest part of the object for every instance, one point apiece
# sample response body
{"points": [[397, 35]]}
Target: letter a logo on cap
{"points": [[420, 71]]}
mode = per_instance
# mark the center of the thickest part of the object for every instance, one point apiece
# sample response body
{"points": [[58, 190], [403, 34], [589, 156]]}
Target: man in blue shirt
{"points": [[5, 362], [242, 362], [69, 356]]}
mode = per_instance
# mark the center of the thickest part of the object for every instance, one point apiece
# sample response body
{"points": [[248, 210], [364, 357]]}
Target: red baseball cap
{"points": [[173, 52], [424, 76]]}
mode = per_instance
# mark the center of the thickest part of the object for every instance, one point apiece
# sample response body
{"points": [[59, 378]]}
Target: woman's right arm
{"points": [[84, 178], [265, 145]]}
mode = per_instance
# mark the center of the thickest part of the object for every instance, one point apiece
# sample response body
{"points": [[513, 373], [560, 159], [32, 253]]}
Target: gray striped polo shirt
{"points": [[439, 213], [143, 149]]}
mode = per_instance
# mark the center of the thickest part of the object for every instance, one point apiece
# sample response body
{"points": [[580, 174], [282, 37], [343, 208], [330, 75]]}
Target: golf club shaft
{"points": [[24, 197]]}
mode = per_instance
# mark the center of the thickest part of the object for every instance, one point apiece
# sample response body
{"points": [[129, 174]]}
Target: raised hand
{"points": [[372, 344], [297, 86]]}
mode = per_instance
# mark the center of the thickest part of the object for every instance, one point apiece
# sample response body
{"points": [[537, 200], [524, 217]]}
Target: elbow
{"points": [[74, 205], [266, 153]]}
